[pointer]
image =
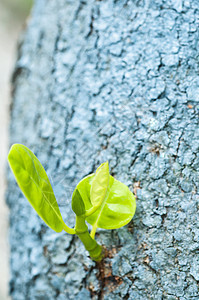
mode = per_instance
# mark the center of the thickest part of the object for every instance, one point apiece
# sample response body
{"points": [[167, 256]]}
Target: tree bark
{"points": [[117, 81]]}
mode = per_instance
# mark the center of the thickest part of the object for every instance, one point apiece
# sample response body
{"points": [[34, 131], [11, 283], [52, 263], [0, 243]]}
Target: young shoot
{"points": [[98, 199]]}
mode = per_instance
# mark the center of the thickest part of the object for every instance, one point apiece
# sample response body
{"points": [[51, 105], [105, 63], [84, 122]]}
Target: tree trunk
{"points": [[117, 81]]}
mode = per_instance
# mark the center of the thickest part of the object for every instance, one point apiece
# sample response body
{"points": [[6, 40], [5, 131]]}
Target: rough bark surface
{"points": [[118, 81]]}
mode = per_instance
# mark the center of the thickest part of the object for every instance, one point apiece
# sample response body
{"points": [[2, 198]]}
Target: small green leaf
{"points": [[84, 187], [100, 185], [118, 207], [34, 183], [77, 203]]}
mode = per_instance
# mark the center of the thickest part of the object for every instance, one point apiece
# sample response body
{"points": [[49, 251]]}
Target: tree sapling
{"points": [[98, 199]]}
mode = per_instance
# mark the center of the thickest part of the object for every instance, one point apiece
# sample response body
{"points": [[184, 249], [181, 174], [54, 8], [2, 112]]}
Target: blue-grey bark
{"points": [[118, 81]]}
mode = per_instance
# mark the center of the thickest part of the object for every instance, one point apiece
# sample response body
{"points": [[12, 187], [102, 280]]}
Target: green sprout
{"points": [[98, 199]]}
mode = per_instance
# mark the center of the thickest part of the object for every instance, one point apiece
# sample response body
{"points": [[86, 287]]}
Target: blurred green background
{"points": [[16, 9], [13, 20]]}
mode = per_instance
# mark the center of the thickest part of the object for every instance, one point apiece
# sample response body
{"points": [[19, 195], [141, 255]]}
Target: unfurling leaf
{"points": [[34, 183], [118, 207], [100, 185], [77, 203], [84, 187]]}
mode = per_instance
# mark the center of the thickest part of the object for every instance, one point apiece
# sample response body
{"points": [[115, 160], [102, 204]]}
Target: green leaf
{"points": [[84, 187], [77, 203], [118, 207], [34, 183], [100, 185]]}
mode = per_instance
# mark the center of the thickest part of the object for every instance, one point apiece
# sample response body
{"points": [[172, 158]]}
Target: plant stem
{"points": [[68, 229], [94, 249], [93, 231]]}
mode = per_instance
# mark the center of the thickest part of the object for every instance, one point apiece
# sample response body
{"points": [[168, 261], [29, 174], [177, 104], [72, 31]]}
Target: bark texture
{"points": [[118, 81]]}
